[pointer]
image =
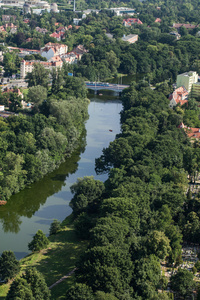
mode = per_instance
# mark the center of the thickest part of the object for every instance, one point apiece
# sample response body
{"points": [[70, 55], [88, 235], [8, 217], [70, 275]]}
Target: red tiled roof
{"points": [[187, 26], [179, 95], [158, 20], [133, 21]]}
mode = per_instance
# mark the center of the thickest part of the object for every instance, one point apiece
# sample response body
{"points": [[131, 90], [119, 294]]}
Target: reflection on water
{"points": [[36, 206]]}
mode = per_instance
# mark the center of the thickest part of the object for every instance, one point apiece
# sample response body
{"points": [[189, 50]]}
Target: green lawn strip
{"points": [[56, 261]]}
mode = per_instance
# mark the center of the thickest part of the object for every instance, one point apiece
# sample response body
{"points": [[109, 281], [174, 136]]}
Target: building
{"points": [[179, 96], [130, 21], [176, 34], [157, 20], [120, 11], [187, 79], [192, 133], [27, 66], [41, 30], [131, 38], [195, 93], [8, 18], [53, 49], [187, 26]]}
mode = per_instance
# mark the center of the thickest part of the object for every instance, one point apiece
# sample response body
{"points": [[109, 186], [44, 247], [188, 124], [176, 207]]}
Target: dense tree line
{"points": [[34, 145], [141, 214]]}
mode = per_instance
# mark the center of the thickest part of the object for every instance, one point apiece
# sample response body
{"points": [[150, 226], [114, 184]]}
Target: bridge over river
{"points": [[97, 86]]}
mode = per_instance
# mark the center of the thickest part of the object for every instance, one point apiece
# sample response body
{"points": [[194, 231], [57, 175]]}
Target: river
{"points": [[36, 206]]}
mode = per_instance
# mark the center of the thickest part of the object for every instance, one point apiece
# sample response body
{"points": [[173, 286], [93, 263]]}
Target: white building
{"points": [[51, 49], [120, 11], [27, 66]]}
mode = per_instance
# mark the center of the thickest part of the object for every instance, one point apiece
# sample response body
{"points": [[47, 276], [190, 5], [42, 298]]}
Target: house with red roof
{"points": [[130, 21], [192, 133], [158, 20], [179, 96], [187, 26]]}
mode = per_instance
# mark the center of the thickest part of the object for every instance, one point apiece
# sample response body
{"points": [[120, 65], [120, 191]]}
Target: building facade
{"points": [[187, 79]]}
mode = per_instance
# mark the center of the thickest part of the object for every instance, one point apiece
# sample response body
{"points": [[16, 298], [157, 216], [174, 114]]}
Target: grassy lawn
{"points": [[56, 261]]}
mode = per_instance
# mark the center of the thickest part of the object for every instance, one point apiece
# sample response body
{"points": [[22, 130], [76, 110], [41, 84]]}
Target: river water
{"points": [[35, 207]]}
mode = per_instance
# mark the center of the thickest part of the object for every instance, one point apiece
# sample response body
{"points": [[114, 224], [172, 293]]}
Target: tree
{"points": [[79, 292], [9, 266], [14, 102], [55, 227], [39, 242], [37, 94], [182, 283], [39, 76], [104, 296], [87, 192], [37, 284], [20, 289], [158, 244]]}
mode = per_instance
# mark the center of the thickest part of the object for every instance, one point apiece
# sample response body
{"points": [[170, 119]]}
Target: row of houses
{"points": [[55, 54]]}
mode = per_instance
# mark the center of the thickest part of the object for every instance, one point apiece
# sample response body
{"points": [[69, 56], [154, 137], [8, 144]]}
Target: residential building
{"points": [[130, 21], [27, 66], [41, 30], [192, 133], [187, 79], [158, 20], [53, 49], [179, 96], [187, 26], [8, 18], [195, 93], [176, 34], [131, 38]]}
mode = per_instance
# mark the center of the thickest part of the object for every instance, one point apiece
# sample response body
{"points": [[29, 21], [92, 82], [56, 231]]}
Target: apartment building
{"points": [[187, 79]]}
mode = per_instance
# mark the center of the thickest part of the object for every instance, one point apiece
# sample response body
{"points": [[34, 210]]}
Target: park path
{"points": [[63, 278]]}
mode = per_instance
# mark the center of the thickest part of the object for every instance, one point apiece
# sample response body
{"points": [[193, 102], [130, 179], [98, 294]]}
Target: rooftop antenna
{"points": [[74, 6]]}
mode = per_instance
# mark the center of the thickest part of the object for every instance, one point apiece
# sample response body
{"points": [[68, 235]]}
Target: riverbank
{"points": [[56, 261]]}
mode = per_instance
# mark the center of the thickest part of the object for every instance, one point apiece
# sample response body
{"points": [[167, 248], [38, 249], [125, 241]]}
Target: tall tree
{"points": [[9, 266], [39, 242], [39, 76]]}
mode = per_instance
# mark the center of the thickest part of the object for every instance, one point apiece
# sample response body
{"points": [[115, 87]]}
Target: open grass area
{"points": [[56, 261]]}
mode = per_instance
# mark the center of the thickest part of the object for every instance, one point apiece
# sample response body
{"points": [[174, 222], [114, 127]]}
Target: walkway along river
{"points": [[35, 207]]}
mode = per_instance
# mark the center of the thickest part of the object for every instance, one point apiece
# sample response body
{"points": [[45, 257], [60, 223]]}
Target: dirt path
{"points": [[63, 278]]}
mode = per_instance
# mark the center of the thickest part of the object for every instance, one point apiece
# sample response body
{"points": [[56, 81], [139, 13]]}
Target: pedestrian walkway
{"points": [[63, 278]]}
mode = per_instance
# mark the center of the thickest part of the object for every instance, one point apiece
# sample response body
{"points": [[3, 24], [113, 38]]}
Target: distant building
{"points": [[195, 92], [187, 79], [120, 11], [179, 96], [187, 26], [27, 66], [158, 20], [130, 21], [54, 7], [192, 133], [176, 34], [52, 49], [131, 38], [8, 18]]}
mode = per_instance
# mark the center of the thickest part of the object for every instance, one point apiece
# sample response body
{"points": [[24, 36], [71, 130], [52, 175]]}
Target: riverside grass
{"points": [[56, 261]]}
